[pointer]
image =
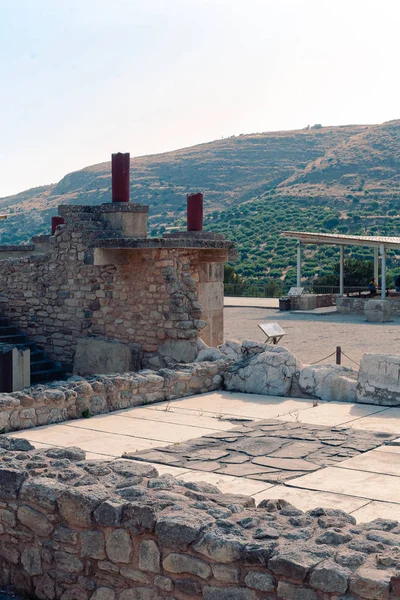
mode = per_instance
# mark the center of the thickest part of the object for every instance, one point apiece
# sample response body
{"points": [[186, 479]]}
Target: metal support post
{"points": [[341, 282], [383, 272], [376, 265], [298, 263]]}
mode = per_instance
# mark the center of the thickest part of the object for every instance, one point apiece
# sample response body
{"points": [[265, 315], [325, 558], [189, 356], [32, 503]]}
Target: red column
{"points": [[55, 221], [195, 212], [120, 164]]}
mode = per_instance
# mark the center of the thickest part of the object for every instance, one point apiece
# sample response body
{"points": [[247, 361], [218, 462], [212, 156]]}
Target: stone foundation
{"points": [[253, 368], [312, 301], [79, 397], [78, 530], [379, 379], [356, 306], [90, 280]]}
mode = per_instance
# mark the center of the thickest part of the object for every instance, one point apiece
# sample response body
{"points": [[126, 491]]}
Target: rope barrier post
{"points": [[338, 355]]}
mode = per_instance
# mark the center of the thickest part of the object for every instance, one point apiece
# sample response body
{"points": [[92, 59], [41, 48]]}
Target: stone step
{"points": [[56, 373], [43, 369], [8, 330], [41, 365], [17, 339]]}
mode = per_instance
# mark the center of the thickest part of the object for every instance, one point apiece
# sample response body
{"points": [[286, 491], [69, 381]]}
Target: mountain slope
{"points": [[228, 171], [344, 179]]}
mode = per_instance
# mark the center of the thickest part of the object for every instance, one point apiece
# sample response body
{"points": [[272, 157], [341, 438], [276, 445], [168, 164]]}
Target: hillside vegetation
{"points": [[343, 179]]}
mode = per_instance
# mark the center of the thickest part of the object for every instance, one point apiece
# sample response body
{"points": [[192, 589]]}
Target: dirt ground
{"points": [[311, 338]]}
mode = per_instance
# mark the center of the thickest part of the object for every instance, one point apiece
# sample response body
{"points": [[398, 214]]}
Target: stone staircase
{"points": [[43, 369]]}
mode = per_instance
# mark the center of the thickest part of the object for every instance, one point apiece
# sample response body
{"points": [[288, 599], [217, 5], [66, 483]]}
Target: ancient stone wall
{"points": [[251, 367], [79, 397], [151, 299], [356, 305], [72, 529]]}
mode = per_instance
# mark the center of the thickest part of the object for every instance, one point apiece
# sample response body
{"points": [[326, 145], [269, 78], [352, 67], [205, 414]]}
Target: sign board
{"points": [[273, 331], [295, 291]]}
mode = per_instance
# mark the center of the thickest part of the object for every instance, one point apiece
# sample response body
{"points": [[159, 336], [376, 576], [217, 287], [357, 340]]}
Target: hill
{"points": [[327, 178]]}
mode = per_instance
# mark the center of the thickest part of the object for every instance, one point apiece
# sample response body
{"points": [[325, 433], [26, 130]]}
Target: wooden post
{"points": [[338, 355]]}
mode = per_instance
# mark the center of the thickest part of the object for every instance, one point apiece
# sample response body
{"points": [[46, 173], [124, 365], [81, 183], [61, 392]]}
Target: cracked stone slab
{"points": [[245, 470], [257, 446], [208, 454], [297, 450], [235, 458], [285, 464]]}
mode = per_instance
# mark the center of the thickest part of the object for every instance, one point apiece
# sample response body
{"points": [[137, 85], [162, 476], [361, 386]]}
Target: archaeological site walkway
{"points": [[310, 453]]}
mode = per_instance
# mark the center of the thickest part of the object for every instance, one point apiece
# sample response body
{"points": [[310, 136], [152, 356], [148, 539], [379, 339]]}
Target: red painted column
{"points": [[120, 165], [55, 221], [195, 212]]}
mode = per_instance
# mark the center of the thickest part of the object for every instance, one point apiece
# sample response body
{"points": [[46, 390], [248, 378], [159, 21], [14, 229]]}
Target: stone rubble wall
{"points": [[72, 529], [59, 297], [356, 305], [251, 367], [78, 397]]}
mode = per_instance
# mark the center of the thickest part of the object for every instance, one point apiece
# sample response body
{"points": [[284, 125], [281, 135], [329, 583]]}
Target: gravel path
{"points": [[311, 338]]}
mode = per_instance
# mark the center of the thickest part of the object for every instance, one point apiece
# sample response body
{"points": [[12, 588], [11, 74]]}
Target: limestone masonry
{"points": [[98, 278], [250, 367], [79, 530]]}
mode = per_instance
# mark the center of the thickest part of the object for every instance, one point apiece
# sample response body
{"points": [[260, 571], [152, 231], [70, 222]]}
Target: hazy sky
{"points": [[80, 79]]}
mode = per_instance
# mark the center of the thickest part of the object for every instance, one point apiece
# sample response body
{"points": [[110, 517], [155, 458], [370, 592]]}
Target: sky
{"points": [[80, 79]]}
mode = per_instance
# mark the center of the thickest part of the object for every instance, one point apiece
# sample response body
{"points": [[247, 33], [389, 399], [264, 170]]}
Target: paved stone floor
{"points": [[362, 472], [273, 450]]}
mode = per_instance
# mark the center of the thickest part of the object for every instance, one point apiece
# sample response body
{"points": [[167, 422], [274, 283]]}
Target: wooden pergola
{"points": [[379, 243]]}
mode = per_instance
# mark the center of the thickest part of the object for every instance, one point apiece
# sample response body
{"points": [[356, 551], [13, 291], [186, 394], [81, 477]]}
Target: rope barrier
{"points": [[353, 361], [333, 353], [318, 361]]}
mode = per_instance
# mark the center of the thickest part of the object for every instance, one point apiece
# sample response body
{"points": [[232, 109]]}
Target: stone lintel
{"points": [[17, 248], [162, 243], [199, 235], [41, 239], [115, 207]]}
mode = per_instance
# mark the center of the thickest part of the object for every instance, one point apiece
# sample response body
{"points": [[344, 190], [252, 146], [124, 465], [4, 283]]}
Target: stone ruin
{"points": [[73, 529], [99, 296]]}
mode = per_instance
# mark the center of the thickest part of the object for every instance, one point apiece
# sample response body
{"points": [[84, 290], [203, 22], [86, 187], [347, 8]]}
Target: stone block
{"points": [[332, 383], [119, 546], [379, 379], [149, 556], [330, 578], [76, 505], [377, 311], [35, 521], [260, 581], [92, 544], [184, 351], [181, 563], [288, 591], [268, 372], [31, 561], [10, 482], [231, 593], [101, 356]]}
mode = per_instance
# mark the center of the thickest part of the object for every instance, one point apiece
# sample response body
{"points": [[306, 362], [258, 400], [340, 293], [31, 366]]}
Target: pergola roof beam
{"points": [[344, 240]]}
